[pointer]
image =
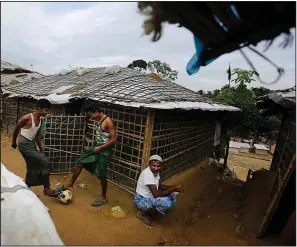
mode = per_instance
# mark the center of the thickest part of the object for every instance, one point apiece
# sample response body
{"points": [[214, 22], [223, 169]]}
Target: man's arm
{"points": [[21, 123], [162, 193], [165, 187], [113, 137], [38, 141]]}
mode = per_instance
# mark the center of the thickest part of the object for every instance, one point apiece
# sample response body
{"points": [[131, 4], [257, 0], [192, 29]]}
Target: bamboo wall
{"points": [[284, 151], [283, 165], [15, 108], [182, 139], [63, 142], [9, 114], [125, 165]]}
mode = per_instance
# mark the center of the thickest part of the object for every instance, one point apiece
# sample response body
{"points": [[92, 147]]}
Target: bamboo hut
{"points": [[282, 198], [151, 117], [12, 74]]}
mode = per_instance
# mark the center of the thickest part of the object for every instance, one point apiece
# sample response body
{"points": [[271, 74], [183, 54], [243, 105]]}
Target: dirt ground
{"points": [[211, 211], [250, 160]]}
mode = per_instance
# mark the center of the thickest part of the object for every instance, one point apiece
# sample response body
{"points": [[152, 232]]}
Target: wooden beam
{"points": [[281, 187], [148, 136]]}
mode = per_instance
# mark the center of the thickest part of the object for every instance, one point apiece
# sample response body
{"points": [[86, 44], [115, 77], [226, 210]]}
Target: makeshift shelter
{"points": [[12, 74], [282, 198], [261, 149], [151, 117], [239, 147]]}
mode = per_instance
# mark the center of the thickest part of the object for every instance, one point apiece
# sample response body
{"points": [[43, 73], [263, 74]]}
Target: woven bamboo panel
{"points": [[9, 115], [284, 151], [63, 142], [182, 140], [14, 109], [125, 165]]}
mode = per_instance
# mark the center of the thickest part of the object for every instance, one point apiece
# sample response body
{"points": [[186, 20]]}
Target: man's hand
{"points": [[179, 188], [97, 149], [14, 145]]}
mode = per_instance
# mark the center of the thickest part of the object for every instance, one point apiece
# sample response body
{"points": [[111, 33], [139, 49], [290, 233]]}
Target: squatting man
{"points": [[151, 195]]}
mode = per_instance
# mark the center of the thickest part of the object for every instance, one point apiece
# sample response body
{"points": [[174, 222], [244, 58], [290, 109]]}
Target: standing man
{"points": [[38, 170], [151, 194], [95, 160]]}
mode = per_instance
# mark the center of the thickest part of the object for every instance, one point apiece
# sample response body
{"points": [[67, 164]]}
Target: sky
{"points": [[55, 35]]}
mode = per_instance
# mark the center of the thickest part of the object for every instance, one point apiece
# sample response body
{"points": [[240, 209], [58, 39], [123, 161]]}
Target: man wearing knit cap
{"points": [[151, 194]]}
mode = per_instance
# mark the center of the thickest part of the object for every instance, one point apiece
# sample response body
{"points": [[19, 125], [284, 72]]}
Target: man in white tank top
{"points": [[38, 170]]}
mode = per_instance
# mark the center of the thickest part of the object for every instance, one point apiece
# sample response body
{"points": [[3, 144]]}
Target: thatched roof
{"points": [[13, 74], [127, 87], [223, 26]]}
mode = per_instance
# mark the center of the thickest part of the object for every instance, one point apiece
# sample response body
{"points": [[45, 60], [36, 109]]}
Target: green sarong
{"points": [[97, 163]]}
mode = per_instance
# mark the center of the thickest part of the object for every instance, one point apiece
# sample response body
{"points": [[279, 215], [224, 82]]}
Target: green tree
{"points": [[209, 94], [162, 69], [250, 123], [201, 92], [243, 76], [139, 65], [216, 92]]}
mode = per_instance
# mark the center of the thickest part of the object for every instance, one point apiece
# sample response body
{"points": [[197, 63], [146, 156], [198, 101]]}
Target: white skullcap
{"points": [[155, 157]]}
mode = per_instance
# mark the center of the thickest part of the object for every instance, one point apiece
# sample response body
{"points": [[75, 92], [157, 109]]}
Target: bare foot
{"points": [[102, 197], [70, 187], [145, 218], [48, 192]]}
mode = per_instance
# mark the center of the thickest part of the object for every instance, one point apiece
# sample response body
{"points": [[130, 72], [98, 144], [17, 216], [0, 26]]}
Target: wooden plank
{"points": [[272, 207], [148, 136], [284, 147]]}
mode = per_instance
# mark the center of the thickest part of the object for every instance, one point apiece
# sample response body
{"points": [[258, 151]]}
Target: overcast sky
{"points": [[53, 35]]}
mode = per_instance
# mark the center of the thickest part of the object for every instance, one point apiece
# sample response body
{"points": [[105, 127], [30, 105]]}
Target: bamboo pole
{"points": [[148, 136]]}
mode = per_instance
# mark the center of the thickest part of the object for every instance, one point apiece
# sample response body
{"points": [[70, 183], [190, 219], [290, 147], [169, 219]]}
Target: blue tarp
{"points": [[195, 63]]}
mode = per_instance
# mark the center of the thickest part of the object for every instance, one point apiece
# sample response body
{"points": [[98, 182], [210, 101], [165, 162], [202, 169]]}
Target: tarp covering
{"points": [[24, 218]]}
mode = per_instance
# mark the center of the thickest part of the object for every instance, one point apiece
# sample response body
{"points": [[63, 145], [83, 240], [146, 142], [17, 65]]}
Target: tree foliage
{"points": [[251, 123], [201, 92], [162, 69], [139, 65], [243, 76]]}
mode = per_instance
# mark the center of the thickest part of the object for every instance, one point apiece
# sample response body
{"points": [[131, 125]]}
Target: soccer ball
{"points": [[65, 196]]}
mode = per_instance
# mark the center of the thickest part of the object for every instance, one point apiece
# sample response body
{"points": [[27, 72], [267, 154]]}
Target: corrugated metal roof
{"points": [[127, 87]]}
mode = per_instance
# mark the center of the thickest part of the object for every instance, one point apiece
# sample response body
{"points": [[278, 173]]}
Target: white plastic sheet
{"points": [[24, 218]]}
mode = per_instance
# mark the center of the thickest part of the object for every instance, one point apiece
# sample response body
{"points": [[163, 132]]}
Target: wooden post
{"points": [[17, 113], [227, 148], [148, 136]]}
